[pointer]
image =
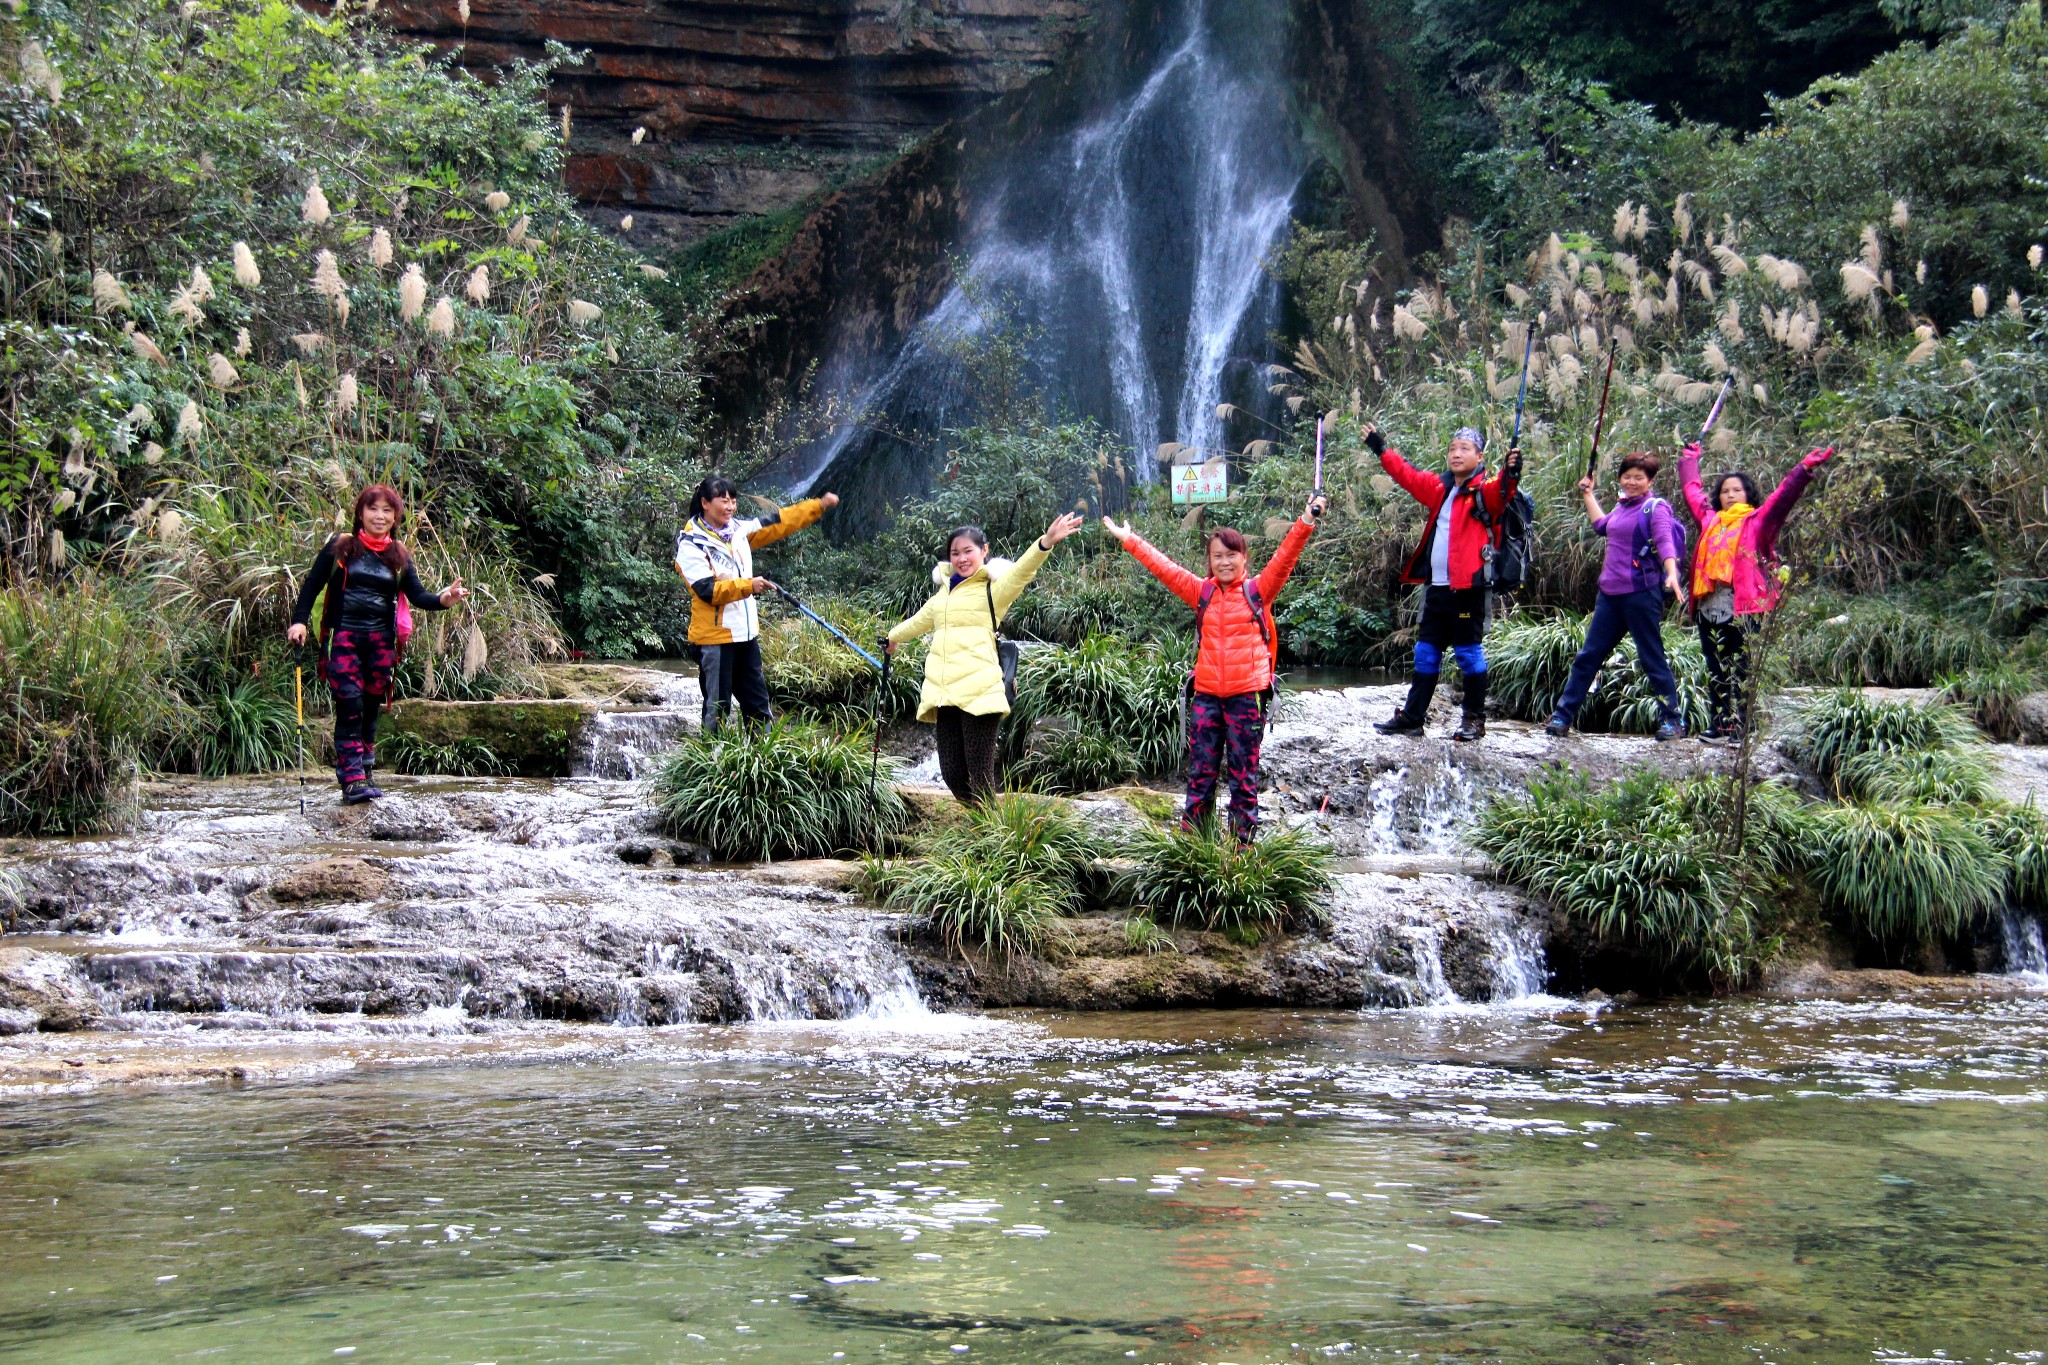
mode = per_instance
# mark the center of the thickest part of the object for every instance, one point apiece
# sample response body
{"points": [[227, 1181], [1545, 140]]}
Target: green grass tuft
{"points": [[1200, 878], [1837, 730], [1906, 872], [1991, 696], [1066, 762], [408, 752], [793, 789]]}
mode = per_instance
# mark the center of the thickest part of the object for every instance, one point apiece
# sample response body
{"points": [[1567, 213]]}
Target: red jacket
{"points": [[1470, 536], [1233, 656]]}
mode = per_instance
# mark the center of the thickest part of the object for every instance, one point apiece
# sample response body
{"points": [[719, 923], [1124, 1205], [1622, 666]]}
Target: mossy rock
{"points": [[531, 738]]}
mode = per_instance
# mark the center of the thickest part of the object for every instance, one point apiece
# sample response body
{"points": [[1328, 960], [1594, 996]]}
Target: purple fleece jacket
{"points": [[1618, 572]]}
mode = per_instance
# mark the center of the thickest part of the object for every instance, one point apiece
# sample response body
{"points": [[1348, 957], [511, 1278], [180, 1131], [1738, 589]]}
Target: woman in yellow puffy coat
{"points": [[963, 679]]}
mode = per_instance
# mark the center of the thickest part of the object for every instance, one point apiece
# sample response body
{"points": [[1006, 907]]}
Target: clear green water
{"points": [[1736, 1182]]}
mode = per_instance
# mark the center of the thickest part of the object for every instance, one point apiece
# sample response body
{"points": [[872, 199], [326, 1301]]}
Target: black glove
{"points": [[1513, 464], [1375, 442]]}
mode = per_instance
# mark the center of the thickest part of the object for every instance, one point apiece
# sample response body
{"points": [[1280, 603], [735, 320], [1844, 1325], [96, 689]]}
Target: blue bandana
{"points": [[1472, 434]]}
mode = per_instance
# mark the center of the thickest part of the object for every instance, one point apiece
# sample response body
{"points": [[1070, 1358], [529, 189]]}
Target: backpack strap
{"points": [[1645, 544]]}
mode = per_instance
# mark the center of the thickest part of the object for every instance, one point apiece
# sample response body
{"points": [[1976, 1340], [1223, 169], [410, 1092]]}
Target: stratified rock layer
{"points": [[754, 107]]}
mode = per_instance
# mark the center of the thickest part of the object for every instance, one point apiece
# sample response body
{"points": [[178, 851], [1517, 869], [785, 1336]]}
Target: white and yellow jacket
{"points": [[719, 567]]}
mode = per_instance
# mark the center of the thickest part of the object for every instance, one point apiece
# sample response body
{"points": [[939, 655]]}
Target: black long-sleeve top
{"points": [[369, 590]]}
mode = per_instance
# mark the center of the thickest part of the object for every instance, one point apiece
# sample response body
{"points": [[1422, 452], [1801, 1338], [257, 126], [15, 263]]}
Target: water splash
{"points": [[1129, 252]]}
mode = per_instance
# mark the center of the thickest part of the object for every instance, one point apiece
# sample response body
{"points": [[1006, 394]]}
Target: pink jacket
{"points": [[1756, 554]]}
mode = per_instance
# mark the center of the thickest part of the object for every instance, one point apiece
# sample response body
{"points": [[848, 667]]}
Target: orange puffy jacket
{"points": [[1233, 656]]}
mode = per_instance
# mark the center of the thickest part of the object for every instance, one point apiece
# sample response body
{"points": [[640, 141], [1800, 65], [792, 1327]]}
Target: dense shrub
{"points": [[1529, 657], [1873, 642], [1067, 761], [1844, 732], [1119, 695], [1992, 697], [1201, 878], [2021, 832], [82, 693], [793, 789], [815, 675]]}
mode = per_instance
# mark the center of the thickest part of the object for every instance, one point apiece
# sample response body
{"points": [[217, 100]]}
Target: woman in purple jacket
{"points": [[1641, 568], [1734, 578]]}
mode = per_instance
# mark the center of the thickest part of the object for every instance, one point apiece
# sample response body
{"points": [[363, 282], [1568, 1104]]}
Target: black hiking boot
{"points": [[1473, 726], [355, 793], [1409, 719], [1557, 727], [372, 791]]}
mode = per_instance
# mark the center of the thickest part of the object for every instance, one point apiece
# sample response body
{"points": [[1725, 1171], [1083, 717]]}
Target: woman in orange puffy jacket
{"points": [[1233, 659]]}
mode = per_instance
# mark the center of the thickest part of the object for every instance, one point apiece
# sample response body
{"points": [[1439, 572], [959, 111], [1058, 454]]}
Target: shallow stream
{"points": [[1741, 1181]]}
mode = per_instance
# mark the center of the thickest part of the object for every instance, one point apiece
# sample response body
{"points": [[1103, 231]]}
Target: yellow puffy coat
{"points": [[961, 668]]}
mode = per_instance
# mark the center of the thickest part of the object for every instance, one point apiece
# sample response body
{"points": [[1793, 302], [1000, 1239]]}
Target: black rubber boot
{"points": [[1409, 719], [355, 793], [1473, 726]]}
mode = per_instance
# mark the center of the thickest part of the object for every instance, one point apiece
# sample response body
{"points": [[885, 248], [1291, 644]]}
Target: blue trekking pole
{"points": [[836, 633], [1522, 393]]}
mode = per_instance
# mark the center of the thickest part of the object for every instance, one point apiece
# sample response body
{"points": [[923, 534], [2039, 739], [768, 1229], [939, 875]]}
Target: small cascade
{"points": [[1426, 812], [2026, 953], [623, 745], [1438, 941], [453, 904]]}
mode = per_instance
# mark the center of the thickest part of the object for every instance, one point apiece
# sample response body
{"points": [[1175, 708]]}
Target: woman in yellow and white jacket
{"points": [[715, 556], [963, 679]]}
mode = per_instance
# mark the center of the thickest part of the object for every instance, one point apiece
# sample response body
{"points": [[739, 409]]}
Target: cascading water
{"points": [[2026, 954], [1126, 255]]}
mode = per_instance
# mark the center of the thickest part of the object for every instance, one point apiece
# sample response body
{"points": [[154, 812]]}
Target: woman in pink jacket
{"points": [[1734, 575]]}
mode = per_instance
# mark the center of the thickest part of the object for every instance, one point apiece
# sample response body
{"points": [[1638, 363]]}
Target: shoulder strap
{"points": [[993, 628], [1202, 604]]}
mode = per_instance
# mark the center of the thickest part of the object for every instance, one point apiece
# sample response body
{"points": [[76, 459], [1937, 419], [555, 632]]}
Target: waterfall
{"points": [[1127, 254], [2025, 953]]}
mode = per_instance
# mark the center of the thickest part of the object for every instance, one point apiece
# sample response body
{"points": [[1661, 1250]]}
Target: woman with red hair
{"points": [[1234, 657], [363, 574]]}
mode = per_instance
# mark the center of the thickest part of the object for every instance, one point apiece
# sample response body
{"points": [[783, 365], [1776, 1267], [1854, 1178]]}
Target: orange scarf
{"points": [[1715, 563]]}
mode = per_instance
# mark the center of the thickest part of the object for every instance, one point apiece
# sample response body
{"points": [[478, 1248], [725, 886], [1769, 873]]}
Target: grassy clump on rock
{"points": [[997, 879], [793, 789], [1200, 878]]}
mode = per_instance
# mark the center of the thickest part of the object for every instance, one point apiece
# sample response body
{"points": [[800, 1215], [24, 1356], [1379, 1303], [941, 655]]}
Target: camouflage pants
{"points": [[358, 667], [1223, 741]]}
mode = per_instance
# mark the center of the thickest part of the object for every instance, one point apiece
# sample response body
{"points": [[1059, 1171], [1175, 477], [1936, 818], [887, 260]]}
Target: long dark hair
{"points": [[394, 555], [714, 486]]}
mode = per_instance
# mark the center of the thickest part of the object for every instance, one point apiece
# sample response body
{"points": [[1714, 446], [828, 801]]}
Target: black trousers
{"points": [[967, 754], [1726, 647], [733, 671]]}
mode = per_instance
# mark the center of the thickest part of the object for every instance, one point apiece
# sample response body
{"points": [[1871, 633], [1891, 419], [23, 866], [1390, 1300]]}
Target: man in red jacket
{"points": [[1454, 566]]}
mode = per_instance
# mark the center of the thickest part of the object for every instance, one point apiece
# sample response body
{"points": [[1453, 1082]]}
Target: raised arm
{"points": [[791, 519], [1280, 567], [1592, 501], [1689, 479], [1778, 506], [1420, 486], [1161, 565]]}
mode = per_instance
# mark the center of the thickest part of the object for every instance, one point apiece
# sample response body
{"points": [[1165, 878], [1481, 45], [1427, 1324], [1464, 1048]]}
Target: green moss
{"points": [[530, 738]]}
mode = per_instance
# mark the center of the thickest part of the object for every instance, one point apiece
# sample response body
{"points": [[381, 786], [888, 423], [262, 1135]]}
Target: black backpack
{"points": [[1514, 540]]}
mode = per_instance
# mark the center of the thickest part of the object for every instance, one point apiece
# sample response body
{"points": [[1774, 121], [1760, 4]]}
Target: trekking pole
{"points": [[1600, 423], [841, 636], [1715, 411], [875, 765], [1319, 457], [299, 705], [1522, 393]]}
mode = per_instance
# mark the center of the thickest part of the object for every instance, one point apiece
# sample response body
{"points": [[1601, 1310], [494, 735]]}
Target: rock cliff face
{"points": [[751, 106]]}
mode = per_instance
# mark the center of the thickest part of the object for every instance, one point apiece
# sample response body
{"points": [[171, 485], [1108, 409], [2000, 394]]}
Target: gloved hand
{"points": [[1512, 465], [1692, 451], [1375, 442], [1816, 458]]}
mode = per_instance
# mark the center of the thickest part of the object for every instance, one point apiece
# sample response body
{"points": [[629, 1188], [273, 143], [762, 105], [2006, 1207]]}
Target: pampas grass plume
{"points": [[185, 308], [568, 122], [2034, 256], [243, 343], [1871, 251], [479, 287], [313, 208], [152, 453], [346, 395], [56, 549], [497, 201], [188, 423], [582, 312], [1901, 215], [639, 136], [462, 12], [246, 272], [412, 292], [1717, 359], [170, 524], [626, 223], [441, 322], [1642, 222], [140, 417], [1624, 221], [2012, 302], [1980, 300], [655, 272], [107, 294], [380, 248], [309, 342], [327, 276], [1730, 261], [221, 371], [516, 235], [36, 66], [1859, 281], [1681, 217]]}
